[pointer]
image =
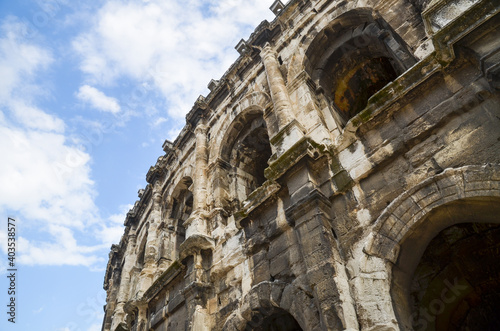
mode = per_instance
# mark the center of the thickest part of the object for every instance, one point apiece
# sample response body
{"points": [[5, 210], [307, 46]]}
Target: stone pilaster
{"points": [[142, 317], [123, 292], [196, 299], [197, 237], [325, 270], [371, 279], [197, 223], [279, 92], [290, 131]]}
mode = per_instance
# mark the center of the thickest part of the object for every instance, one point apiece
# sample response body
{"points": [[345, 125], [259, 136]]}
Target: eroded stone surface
{"points": [[306, 188]]}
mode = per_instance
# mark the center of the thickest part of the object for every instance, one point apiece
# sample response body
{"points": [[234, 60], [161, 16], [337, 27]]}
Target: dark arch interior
{"points": [[278, 320], [456, 285], [249, 155], [182, 206], [351, 80], [353, 58]]}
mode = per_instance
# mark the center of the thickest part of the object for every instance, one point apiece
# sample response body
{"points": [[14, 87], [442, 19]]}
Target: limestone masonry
{"points": [[343, 174]]}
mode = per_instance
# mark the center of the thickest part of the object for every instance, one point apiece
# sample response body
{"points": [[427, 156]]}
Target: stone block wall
{"points": [[284, 204]]}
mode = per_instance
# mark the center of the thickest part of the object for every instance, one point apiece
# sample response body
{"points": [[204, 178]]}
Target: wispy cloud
{"points": [[110, 232], [46, 179], [175, 46], [39, 310], [98, 99], [162, 48]]}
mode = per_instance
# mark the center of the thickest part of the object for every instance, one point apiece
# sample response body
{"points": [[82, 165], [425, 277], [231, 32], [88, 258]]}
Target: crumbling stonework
{"points": [[344, 174]]}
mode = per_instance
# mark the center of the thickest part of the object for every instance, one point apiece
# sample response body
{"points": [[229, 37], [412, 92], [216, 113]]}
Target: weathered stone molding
{"points": [[303, 147], [255, 199], [193, 244], [175, 269], [447, 21], [404, 213]]}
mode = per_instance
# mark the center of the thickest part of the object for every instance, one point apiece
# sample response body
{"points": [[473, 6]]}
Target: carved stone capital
{"points": [[201, 129]]}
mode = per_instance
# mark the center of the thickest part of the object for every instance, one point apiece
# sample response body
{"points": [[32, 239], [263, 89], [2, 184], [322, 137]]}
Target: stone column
{"points": [[197, 224], [200, 177], [154, 222], [123, 292], [279, 92], [197, 238], [290, 131], [165, 253]]}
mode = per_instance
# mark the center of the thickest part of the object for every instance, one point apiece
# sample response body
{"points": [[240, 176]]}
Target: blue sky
{"points": [[89, 91]]}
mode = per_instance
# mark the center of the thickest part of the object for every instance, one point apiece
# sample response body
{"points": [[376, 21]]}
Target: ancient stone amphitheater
{"points": [[343, 174]]}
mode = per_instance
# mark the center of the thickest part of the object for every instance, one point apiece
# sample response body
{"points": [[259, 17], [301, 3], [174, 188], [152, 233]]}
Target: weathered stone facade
{"points": [[306, 188]]}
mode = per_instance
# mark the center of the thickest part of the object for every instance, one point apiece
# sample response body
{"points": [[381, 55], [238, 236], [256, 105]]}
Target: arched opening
{"points": [[181, 208], [353, 58], [447, 276], [456, 285], [273, 319], [247, 150], [141, 253]]}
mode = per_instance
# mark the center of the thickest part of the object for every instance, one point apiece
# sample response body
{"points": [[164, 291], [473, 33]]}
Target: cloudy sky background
{"points": [[88, 93]]}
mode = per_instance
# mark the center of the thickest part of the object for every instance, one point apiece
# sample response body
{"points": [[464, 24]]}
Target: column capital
{"points": [[131, 238], [201, 129], [268, 51], [157, 198]]}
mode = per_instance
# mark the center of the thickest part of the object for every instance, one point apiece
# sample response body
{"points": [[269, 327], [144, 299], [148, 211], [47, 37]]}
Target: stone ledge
{"points": [[165, 278], [194, 243], [387, 96], [305, 146], [455, 28], [315, 199], [255, 199]]}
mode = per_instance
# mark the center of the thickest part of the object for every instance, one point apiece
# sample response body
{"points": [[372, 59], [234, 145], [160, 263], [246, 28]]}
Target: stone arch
{"points": [[178, 176], [258, 100], [298, 64], [255, 101], [245, 149], [140, 247], [402, 233], [352, 58], [181, 206], [267, 298]]}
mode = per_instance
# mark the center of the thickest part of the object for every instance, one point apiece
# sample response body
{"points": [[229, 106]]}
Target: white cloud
{"points": [[159, 121], [19, 60], [110, 233], [46, 179], [177, 46], [164, 47], [57, 253], [33, 118], [98, 99]]}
